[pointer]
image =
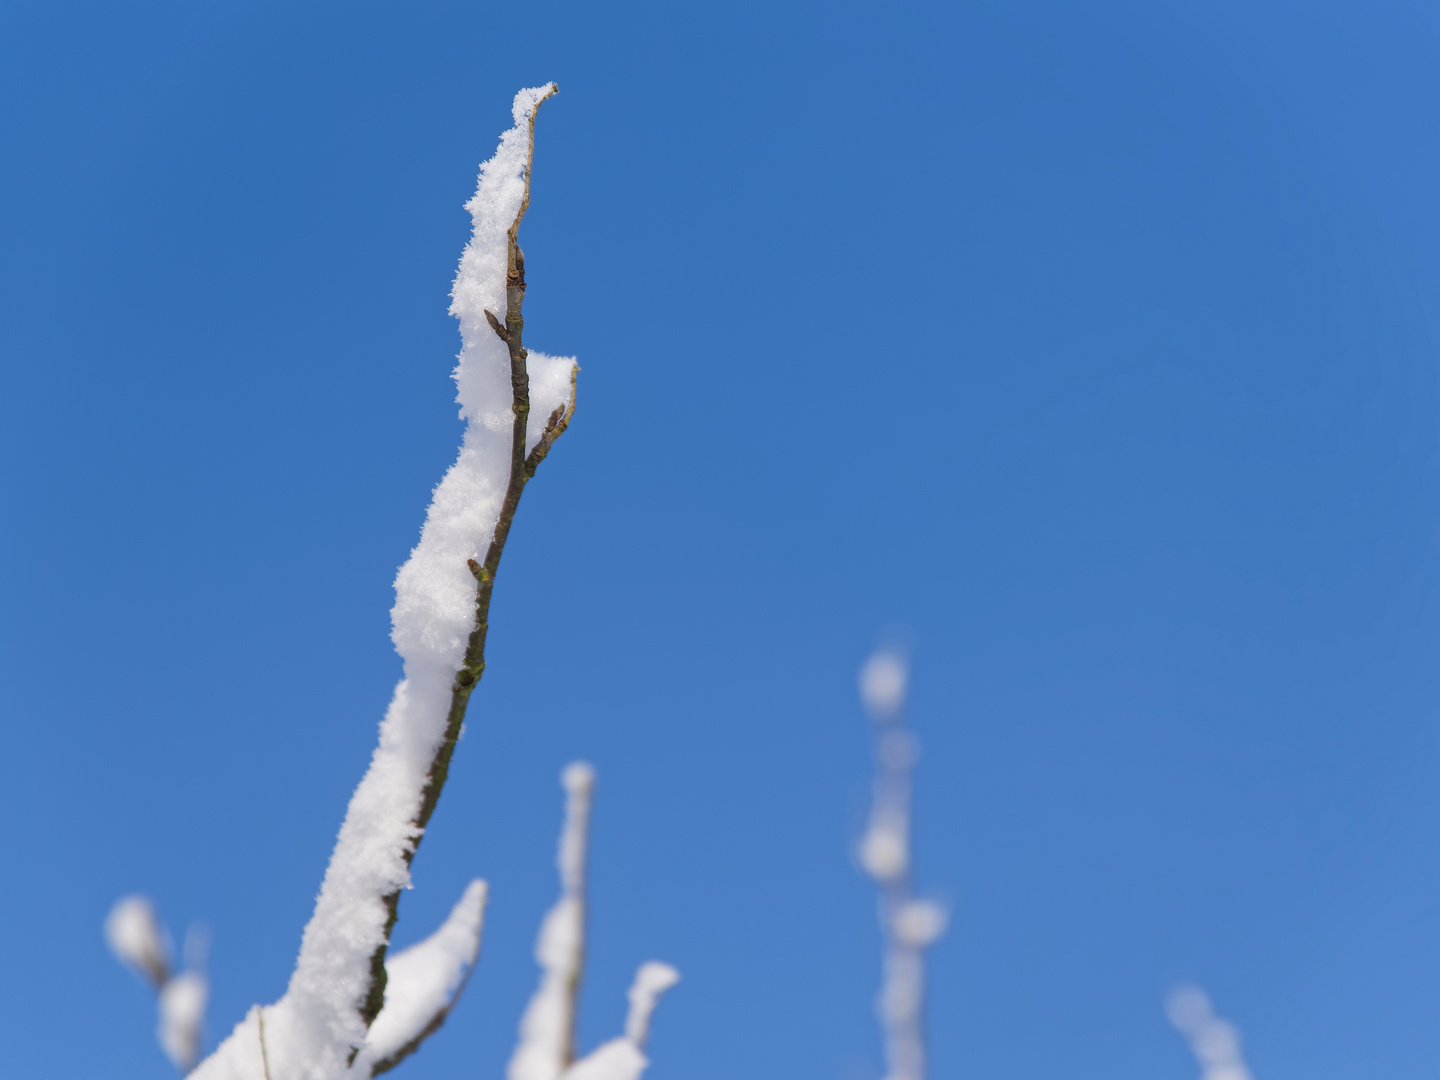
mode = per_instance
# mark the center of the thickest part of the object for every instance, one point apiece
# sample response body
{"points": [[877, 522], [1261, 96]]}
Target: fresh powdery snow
{"points": [[311, 1032]]}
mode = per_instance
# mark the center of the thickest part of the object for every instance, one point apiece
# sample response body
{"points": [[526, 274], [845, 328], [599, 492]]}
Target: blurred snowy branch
{"points": [[1215, 1042], [909, 925], [547, 1031], [137, 939], [546, 1050]]}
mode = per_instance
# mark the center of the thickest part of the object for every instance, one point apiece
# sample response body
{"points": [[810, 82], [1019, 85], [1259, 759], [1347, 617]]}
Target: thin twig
{"points": [[521, 471], [264, 1057]]}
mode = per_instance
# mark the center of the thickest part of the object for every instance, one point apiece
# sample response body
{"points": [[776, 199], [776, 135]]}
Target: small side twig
{"points": [[554, 428], [497, 326]]}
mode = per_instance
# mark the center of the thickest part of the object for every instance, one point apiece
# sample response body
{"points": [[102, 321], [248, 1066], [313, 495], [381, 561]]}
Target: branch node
{"points": [[498, 327]]}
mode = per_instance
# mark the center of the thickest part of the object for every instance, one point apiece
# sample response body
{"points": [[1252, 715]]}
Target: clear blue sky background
{"points": [[1094, 344]]}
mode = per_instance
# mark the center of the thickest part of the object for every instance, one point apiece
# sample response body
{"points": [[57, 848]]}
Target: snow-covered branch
{"points": [[909, 925]]}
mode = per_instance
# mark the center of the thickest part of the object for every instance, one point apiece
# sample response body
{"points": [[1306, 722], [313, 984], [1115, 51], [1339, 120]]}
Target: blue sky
{"points": [[1092, 345]]}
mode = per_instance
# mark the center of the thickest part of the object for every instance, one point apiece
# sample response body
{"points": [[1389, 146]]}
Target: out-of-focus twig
{"points": [[1213, 1040], [908, 925], [138, 940], [547, 1049]]}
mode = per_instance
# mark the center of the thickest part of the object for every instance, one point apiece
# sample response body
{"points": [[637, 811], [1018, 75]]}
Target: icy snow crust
{"points": [[309, 1034]]}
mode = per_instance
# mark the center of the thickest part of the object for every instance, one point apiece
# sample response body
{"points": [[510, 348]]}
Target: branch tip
{"points": [[530, 161]]}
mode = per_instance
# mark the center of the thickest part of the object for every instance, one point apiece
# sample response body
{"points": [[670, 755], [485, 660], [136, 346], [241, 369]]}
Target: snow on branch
{"points": [[1214, 1041], [909, 925], [546, 1050]]}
